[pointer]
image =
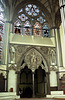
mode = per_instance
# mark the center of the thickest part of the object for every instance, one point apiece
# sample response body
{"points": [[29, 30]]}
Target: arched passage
{"points": [[40, 82], [25, 83], [2, 83], [33, 63]]}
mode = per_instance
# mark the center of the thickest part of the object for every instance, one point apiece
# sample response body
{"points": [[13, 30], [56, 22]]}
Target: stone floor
{"points": [[34, 99], [41, 99]]}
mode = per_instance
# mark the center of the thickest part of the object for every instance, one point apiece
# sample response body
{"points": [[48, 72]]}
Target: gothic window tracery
{"points": [[32, 14], [23, 17], [32, 10], [21, 10], [41, 19], [37, 29], [46, 31], [27, 29], [17, 26]]}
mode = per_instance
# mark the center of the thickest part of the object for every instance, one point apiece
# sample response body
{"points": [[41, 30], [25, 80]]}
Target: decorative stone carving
{"points": [[52, 54], [44, 50], [33, 59], [12, 67], [53, 68], [12, 54], [32, 56], [61, 75]]}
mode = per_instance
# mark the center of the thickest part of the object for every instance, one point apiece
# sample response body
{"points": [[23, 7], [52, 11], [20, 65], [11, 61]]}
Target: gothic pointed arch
{"points": [[33, 59]]}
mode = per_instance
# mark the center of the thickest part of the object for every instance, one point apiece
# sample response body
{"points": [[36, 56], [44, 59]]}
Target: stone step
{"points": [[8, 96]]}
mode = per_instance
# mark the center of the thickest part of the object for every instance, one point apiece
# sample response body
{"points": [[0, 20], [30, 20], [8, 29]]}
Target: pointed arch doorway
{"points": [[36, 76]]}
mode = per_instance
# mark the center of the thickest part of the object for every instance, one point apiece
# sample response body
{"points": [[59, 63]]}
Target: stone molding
{"points": [[53, 68], [33, 56], [12, 67]]}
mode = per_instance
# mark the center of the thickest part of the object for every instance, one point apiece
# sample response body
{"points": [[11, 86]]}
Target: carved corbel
{"points": [[53, 68], [12, 67]]}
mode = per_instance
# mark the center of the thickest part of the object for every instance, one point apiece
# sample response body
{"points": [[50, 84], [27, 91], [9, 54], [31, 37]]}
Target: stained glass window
{"points": [[21, 10], [32, 10], [43, 13], [46, 31], [23, 25], [17, 27], [27, 28], [23, 17], [41, 19], [37, 29]]}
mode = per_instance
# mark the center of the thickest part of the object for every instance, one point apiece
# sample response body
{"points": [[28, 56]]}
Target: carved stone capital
{"points": [[12, 67], [53, 68]]}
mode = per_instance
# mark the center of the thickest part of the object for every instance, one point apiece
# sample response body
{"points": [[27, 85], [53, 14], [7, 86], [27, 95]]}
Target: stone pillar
{"points": [[58, 53], [53, 78], [48, 82], [62, 28], [12, 78], [33, 84], [18, 82], [7, 30], [58, 47]]}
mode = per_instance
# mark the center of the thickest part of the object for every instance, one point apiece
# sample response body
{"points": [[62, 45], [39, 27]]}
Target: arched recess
{"points": [[25, 82], [36, 2], [40, 82], [2, 83], [34, 59]]}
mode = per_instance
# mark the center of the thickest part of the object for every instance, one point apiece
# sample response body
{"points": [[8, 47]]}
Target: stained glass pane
{"points": [[46, 31], [43, 13], [32, 10], [17, 27], [37, 29], [21, 10], [23, 17], [41, 19], [27, 28]]}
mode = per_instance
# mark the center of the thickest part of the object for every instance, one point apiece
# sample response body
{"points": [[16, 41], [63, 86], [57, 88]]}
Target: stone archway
{"points": [[25, 83], [2, 83], [40, 82], [33, 59]]}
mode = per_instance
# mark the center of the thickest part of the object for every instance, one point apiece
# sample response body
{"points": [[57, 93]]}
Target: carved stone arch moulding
{"points": [[33, 59], [12, 67]]}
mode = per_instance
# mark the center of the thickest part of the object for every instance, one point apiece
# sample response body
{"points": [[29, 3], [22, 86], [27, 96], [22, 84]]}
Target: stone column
{"points": [[62, 28], [18, 82], [48, 82], [53, 77], [58, 47], [7, 30], [12, 78], [58, 52], [33, 84]]}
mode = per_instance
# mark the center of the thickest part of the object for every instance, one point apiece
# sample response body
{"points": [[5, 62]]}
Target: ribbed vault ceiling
{"points": [[49, 7]]}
